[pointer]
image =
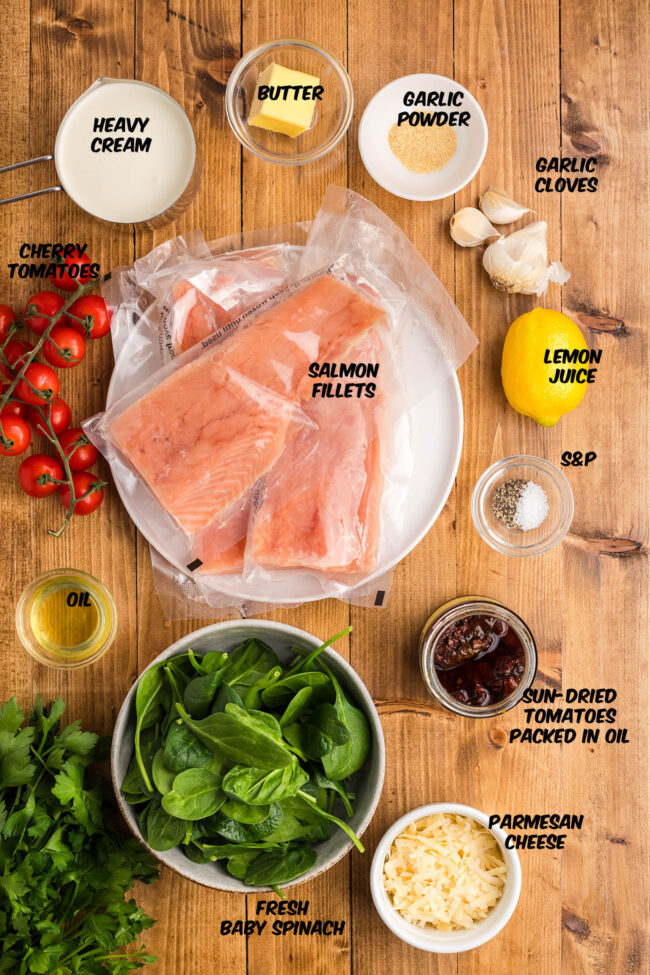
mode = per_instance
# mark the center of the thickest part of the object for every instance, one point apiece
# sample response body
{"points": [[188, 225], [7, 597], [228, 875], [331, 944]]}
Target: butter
{"points": [[285, 100]]}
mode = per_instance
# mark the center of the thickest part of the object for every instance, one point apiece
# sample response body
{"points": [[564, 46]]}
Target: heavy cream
{"points": [[125, 151]]}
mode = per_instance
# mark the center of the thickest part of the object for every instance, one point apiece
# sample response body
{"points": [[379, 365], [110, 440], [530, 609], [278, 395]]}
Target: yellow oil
{"points": [[68, 617]]}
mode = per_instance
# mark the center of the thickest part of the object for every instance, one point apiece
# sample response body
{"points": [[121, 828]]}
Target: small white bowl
{"points": [[428, 939], [381, 113]]}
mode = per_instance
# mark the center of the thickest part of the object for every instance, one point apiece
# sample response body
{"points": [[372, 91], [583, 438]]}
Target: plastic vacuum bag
{"points": [[270, 463]]}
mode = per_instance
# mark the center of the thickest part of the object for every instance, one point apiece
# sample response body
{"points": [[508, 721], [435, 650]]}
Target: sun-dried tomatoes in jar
{"points": [[480, 660]]}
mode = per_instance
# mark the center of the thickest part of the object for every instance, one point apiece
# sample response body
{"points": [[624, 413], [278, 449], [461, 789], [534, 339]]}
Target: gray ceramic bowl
{"points": [[367, 783]]}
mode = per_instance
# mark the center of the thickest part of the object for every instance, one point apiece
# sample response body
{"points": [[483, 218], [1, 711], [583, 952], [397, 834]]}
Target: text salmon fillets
{"points": [[202, 437]]}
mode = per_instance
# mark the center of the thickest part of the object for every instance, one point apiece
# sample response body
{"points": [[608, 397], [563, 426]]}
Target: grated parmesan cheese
{"points": [[446, 871]]}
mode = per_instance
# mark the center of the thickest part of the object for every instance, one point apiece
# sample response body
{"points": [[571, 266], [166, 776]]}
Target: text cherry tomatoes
{"points": [[39, 385], [47, 303], [81, 453], [76, 269], [16, 352], [95, 307], [7, 318], [58, 412], [37, 476], [15, 436], [83, 481], [64, 348]]}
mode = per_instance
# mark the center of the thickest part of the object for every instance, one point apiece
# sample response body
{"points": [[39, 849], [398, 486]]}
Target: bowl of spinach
{"points": [[248, 755]]}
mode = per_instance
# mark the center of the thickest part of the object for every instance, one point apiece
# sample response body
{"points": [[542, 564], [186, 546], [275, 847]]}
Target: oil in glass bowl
{"points": [[66, 619]]}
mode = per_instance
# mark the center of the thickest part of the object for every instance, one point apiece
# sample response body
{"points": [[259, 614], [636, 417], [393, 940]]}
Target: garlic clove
{"points": [[529, 243], [469, 227], [499, 208], [518, 263]]}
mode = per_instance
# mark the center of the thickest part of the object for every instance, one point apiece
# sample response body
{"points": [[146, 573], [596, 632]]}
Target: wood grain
{"points": [[550, 76]]}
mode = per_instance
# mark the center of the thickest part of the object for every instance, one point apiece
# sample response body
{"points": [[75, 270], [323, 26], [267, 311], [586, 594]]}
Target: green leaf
{"points": [[238, 832], [183, 749], [296, 706], [77, 741], [163, 777], [260, 787], [196, 795], [344, 760], [146, 701], [163, 830], [333, 819], [280, 693], [241, 737], [11, 717], [280, 866], [69, 789], [199, 694]]}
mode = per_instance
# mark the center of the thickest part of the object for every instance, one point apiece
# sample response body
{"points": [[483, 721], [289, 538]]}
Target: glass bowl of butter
{"points": [[289, 101]]}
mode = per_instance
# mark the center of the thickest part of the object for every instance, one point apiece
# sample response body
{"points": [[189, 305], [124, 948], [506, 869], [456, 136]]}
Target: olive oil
{"points": [[66, 618]]}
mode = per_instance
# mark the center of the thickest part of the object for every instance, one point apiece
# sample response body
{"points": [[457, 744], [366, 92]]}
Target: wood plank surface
{"points": [[551, 77]]}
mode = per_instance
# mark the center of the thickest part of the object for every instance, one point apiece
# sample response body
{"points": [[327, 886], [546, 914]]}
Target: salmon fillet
{"points": [[332, 523], [203, 436]]}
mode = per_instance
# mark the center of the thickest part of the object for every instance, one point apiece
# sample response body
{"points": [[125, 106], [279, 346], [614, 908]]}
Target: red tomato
{"points": [[6, 371], [17, 435], [34, 475], [81, 456], [95, 307], [83, 481], [44, 381], [71, 348], [59, 413], [16, 351], [74, 271], [48, 303], [14, 407], [7, 318]]}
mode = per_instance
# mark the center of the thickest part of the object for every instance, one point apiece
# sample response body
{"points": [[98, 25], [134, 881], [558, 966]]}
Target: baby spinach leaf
{"points": [[280, 866], [299, 822], [209, 662], [196, 795], [334, 786], [238, 864], [222, 851], [280, 693], [304, 661], [259, 786], [343, 760], [195, 854], [183, 749], [238, 832], [296, 706], [253, 696], [199, 694], [241, 737], [333, 819], [248, 663], [225, 695], [163, 831], [163, 777], [326, 720], [147, 713], [242, 812]]}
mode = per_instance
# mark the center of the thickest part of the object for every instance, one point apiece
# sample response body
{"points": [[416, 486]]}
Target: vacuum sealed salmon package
{"points": [[275, 460]]}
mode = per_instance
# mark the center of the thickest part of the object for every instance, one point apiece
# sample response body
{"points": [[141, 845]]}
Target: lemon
{"points": [[524, 373]]}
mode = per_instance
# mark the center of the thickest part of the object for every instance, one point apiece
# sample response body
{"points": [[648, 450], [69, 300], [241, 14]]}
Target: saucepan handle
{"points": [[27, 196]]}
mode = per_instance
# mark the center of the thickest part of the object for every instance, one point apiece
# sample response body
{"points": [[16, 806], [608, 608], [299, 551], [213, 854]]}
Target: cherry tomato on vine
{"points": [[16, 434], [58, 412], [83, 481], [45, 303], [7, 318], [81, 456], [75, 271], [39, 385], [34, 475], [14, 407], [5, 371], [96, 307], [71, 348], [16, 352]]}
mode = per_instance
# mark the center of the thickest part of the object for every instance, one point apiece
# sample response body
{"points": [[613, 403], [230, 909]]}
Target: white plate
{"points": [[381, 113], [437, 432]]}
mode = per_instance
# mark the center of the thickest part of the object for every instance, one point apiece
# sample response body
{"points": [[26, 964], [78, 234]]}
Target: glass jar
{"points": [[453, 612]]}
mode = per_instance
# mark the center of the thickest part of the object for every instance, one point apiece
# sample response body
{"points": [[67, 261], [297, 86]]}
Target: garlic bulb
{"points": [[519, 264], [499, 208], [470, 227]]}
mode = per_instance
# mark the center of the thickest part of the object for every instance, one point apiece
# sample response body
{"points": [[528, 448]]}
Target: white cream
{"points": [[125, 151]]}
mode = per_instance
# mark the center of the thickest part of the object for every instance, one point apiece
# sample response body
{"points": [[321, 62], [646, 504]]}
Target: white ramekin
{"points": [[428, 939]]}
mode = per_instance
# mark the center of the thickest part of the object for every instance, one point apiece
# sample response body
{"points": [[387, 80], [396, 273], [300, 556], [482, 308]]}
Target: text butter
{"points": [[285, 100]]}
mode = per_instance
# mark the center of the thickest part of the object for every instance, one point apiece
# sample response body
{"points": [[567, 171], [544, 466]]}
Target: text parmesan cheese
{"points": [[446, 871]]}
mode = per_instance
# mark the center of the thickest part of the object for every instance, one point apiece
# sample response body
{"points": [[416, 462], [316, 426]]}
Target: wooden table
{"points": [[549, 76]]}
